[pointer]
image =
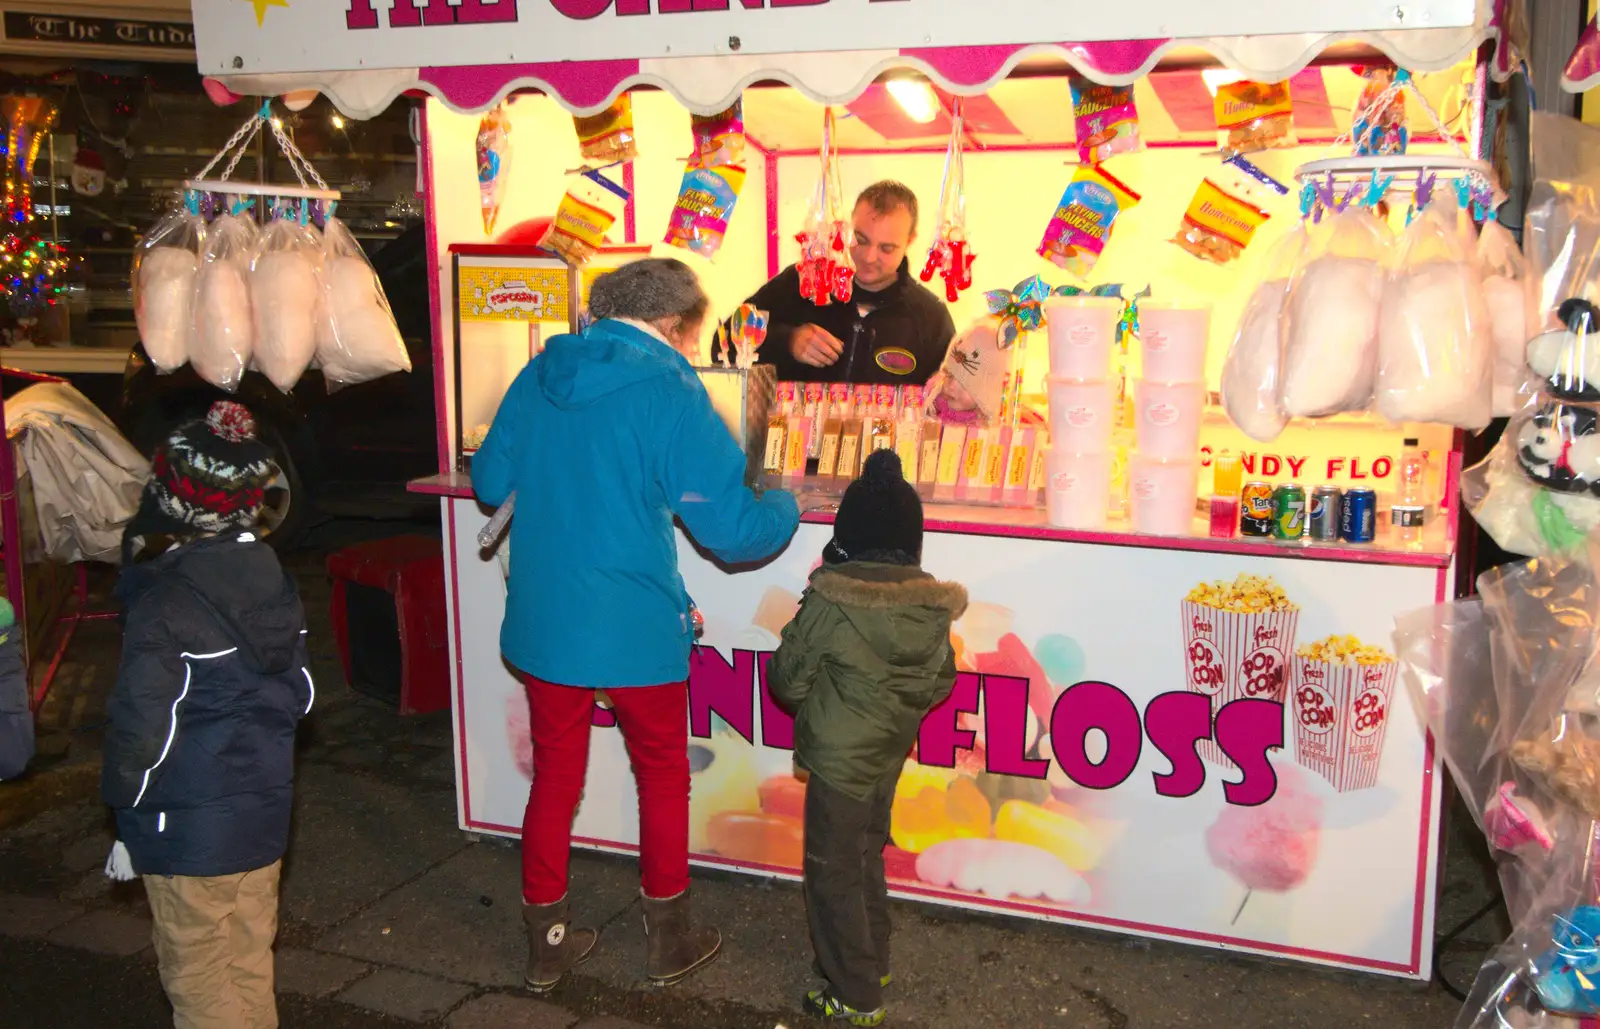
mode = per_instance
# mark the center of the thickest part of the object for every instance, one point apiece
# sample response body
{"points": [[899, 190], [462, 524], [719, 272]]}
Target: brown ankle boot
{"points": [[675, 948], [554, 944]]}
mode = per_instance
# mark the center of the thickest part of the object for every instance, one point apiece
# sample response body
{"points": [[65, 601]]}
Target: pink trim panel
{"points": [[441, 331], [579, 84]]}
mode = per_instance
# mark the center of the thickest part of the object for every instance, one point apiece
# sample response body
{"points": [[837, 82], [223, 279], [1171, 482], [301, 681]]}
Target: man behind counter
{"points": [[893, 330]]}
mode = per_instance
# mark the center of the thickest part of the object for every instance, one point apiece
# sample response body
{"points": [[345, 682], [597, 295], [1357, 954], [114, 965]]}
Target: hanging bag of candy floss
{"points": [[224, 332], [1339, 706], [1330, 323], [1081, 227], [286, 293], [1237, 639], [1251, 383], [357, 338], [1435, 351], [1511, 295], [164, 266]]}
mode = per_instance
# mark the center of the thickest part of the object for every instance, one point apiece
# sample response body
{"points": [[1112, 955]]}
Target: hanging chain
{"points": [[239, 145]]}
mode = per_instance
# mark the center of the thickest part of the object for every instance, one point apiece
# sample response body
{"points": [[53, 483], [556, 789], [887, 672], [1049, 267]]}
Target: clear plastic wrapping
{"points": [[224, 330], [1330, 329], [1434, 344], [1251, 386], [285, 291], [1511, 296], [357, 338], [164, 266]]}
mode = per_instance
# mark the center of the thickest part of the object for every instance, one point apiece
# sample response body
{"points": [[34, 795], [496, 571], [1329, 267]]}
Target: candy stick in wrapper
{"points": [[497, 523], [494, 157]]}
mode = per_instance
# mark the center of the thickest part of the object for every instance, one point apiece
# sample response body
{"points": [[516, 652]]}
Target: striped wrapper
{"points": [[1232, 656], [1340, 714]]}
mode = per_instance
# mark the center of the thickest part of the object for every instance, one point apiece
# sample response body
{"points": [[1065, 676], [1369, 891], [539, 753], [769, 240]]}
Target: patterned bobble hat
{"points": [[208, 477]]}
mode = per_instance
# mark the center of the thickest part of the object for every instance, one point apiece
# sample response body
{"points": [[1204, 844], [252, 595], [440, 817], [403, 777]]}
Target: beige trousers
{"points": [[213, 937]]}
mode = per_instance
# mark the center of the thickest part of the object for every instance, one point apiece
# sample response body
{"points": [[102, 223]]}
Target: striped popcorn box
{"points": [[1340, 711], [1236, 655]]}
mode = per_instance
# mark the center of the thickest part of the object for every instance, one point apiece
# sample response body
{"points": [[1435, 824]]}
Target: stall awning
{"points": [[709, 83]]}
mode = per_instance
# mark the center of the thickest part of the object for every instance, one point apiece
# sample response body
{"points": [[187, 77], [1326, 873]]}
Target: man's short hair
{"points": [[883, 197]]}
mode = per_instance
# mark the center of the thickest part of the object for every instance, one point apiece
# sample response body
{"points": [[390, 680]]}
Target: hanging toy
{"points": [[949, 257], [825, 269], [494, 156], [1379, 126]]}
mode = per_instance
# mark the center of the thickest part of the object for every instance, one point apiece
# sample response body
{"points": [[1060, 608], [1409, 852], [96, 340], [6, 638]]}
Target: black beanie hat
{"points": [[880, 517]]}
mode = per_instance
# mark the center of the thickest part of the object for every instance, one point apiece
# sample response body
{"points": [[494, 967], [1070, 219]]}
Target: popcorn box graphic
{"points": [[1233, 655], [1340, 713]]}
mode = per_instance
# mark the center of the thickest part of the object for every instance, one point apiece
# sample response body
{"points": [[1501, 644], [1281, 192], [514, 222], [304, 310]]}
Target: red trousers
{"points": [[655, 727]]}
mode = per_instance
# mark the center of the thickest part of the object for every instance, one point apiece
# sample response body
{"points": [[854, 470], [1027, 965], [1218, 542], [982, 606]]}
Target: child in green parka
{"points": [[865, 658]]}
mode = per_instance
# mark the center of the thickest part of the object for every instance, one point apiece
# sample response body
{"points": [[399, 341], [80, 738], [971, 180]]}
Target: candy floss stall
{"points": [[1177, 714]]}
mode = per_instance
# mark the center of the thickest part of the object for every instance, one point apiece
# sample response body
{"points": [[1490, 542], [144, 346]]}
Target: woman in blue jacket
{"points": [[605, 438]]}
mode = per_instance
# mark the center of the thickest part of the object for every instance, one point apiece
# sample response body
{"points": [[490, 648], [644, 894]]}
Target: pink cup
{"points": [[1161, 495], [1077, 489], [1082, 331], [1166, 418], [1081, 415], [1172, 341]]}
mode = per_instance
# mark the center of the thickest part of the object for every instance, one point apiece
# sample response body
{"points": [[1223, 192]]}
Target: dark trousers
{"points": [[847, 897]]}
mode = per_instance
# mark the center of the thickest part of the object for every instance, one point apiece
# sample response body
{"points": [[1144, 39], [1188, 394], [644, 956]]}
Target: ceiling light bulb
{"points": [[916, 98]]}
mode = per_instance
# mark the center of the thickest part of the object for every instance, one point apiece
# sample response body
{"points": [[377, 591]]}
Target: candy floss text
{"points": [[406, 14], [1174, 723]]}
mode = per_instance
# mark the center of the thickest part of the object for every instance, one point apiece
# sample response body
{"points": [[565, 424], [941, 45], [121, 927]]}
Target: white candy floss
{"points": [[1331, 337], [1250, 374], [166, 305], [1434, 347], [224, 325], [285, 292], [357, 339]]}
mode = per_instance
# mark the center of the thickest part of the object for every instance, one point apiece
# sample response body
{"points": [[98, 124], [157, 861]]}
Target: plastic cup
{"points": [[1161, 495], [1166, 418], [1081, 415], [1172, 340], [1082, 331], [1077, 489]]}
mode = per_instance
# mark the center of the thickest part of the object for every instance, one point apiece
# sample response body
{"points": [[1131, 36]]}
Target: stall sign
{"points": [[513, 294], [1207, 747], [53, 32], [265, 36]]}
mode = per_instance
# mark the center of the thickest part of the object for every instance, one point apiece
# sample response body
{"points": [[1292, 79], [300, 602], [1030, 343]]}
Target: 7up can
{"points": [[1288, 512]]}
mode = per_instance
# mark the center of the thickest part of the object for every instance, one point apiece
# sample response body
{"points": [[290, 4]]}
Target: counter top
{"points": [[1435, 550]]}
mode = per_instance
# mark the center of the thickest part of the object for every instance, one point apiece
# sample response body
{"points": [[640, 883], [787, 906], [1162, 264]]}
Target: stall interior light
{"points": [[1215, 78], [338, 121], [915, 97]]}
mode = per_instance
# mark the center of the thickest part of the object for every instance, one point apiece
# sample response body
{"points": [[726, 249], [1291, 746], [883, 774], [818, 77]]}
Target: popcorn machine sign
{"points": [[489, 294]]}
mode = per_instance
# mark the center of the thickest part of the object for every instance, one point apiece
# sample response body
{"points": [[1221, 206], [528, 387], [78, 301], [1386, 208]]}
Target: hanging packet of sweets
{"points": [[1105, 120], [1221, 220], [494, 162], [1254, 116], [582, 219], [1078, 233], [705, 203], [719, 138], [608, 137]]}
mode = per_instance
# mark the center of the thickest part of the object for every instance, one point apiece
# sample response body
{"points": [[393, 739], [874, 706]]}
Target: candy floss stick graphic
{"points": [[1272, 846], [1340, 710], [1237, 639]]}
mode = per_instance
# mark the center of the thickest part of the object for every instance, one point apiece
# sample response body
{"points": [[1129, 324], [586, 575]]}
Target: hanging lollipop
{"points": [[949, 256], [825, 269]]}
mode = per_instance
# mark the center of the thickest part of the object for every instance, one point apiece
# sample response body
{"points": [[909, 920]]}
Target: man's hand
{"points": [[815, 346]]}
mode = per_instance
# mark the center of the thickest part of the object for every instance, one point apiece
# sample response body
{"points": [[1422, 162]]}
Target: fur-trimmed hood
{"points": [[903, 614]]}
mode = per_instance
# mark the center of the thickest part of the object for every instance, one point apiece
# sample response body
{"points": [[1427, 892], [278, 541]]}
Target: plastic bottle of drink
{"points": [[1406, 515]]}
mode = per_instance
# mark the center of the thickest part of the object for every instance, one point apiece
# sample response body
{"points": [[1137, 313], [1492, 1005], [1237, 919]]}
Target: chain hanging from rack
{"points": [[311, 186]]}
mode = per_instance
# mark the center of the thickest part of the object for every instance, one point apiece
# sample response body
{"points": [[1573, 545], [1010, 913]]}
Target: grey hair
{"points": [[649, 290]]}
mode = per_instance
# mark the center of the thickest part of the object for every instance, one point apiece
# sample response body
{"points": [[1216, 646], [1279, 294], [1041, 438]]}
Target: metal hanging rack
{"points": [[311, 185]]}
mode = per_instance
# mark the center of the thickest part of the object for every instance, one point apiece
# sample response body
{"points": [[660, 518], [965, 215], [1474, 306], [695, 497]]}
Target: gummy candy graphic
{"points": [[1002, 868], [1054, 832], [924, 815], [758, 837], [983, 625], [1061, 657], [726, 782], [519, 733]]}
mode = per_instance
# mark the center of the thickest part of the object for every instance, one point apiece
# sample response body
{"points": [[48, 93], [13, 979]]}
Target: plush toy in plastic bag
{"points": [[1434, 343], [1330, 329], [1511, 294], [1250, 380], [164, 265], [357, 338], [286, 292], [1506, 683], [224, 333]]}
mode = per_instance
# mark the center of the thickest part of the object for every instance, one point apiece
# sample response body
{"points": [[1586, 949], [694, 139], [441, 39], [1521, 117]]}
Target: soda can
{"points": [[1358, 518], [1325, 506], [1255, 509], [1289, 511]]}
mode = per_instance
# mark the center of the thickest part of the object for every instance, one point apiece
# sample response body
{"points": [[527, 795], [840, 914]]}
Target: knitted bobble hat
{"points": [[208, 477], [880, 517]]}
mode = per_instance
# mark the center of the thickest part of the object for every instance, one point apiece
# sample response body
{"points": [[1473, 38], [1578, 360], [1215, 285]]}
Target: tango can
{"points": [[1289, 511], [1326, 502], [1255, 509], [1358, 520]]}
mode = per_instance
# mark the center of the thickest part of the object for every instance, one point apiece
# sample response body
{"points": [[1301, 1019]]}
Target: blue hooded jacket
{"points": [[605, 437]]}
